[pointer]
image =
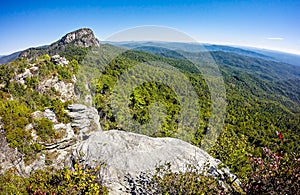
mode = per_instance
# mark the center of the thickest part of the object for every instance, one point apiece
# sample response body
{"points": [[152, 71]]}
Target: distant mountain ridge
{"points": [[237, 50], [85, 37], [195, 47], [280, 56], [8, 58]]}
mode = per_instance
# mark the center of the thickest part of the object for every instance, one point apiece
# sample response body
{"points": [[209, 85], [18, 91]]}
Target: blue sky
{"points": [[265, 24]]}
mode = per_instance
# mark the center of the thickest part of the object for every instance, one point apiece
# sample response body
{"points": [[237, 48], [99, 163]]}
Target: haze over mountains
{"points": [[248, 51], [252, 52]]}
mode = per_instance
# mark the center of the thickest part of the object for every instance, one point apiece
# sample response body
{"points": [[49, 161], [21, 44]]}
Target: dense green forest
{"points": [[258, 103], [263, 100]]}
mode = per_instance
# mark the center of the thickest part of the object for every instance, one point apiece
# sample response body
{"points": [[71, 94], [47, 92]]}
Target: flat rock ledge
{"points": [[125, 152]]}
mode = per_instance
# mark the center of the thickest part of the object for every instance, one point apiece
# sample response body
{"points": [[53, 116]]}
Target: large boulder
{"points": [[85, 119], [129, 153]]}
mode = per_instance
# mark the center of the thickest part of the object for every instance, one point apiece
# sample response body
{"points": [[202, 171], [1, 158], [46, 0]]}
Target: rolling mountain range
{"points": [[134, 105], [246, 51]]}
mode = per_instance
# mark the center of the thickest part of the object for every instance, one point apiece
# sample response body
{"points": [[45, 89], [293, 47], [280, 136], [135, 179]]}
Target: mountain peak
{"points": [[83, 37]]}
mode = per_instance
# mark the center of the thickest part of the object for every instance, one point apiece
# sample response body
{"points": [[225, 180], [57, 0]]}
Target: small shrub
{"points": [[44, 128], [83, 180], [192, 181], [274, 173]]}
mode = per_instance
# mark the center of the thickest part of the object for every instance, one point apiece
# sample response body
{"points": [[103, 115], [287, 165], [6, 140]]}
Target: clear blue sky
{"points": [[269, 24]]}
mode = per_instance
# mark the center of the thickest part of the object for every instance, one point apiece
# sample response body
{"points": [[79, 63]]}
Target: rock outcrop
{"points": [[9, 157], [130, 153], [123, 152], [20, 78], [49, 114], [28, 72], [83, 37], [85, 119], [57, 59], [65, 89]]}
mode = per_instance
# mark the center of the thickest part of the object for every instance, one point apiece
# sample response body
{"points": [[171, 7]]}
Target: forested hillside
{"points": [[259, 96]]}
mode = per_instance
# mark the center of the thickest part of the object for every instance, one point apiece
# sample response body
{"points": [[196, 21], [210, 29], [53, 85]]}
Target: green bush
{"points": [[232, 149], [12, 183], [82, 180], [15, 117], [44, 128]]}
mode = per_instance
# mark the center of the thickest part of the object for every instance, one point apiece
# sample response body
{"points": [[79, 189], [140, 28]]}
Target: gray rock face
{"points": [[68, 129], [83, 37], [126, 152], [66, 89], [28, 72], [85, 119], [59, 60], [9, 157], [49, 114], [20, 78]]}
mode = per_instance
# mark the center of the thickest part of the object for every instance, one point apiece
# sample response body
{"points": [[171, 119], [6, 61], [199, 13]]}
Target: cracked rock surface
{"points": [[126, 152]]}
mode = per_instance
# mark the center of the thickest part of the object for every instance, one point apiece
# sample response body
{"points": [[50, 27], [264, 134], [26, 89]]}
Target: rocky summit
{"points": [[83, 37]]}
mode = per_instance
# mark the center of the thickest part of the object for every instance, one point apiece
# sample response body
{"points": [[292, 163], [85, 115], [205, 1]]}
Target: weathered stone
{"points": [[85, 119], [65, 89], [9, 157], [29, 127], [56, 59], [88, 99], [49, 114], [38, 163], [77, 107], [126, 152], [37, 114], [20, 78], [83, 37], [34, 70], [68, 129]]}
